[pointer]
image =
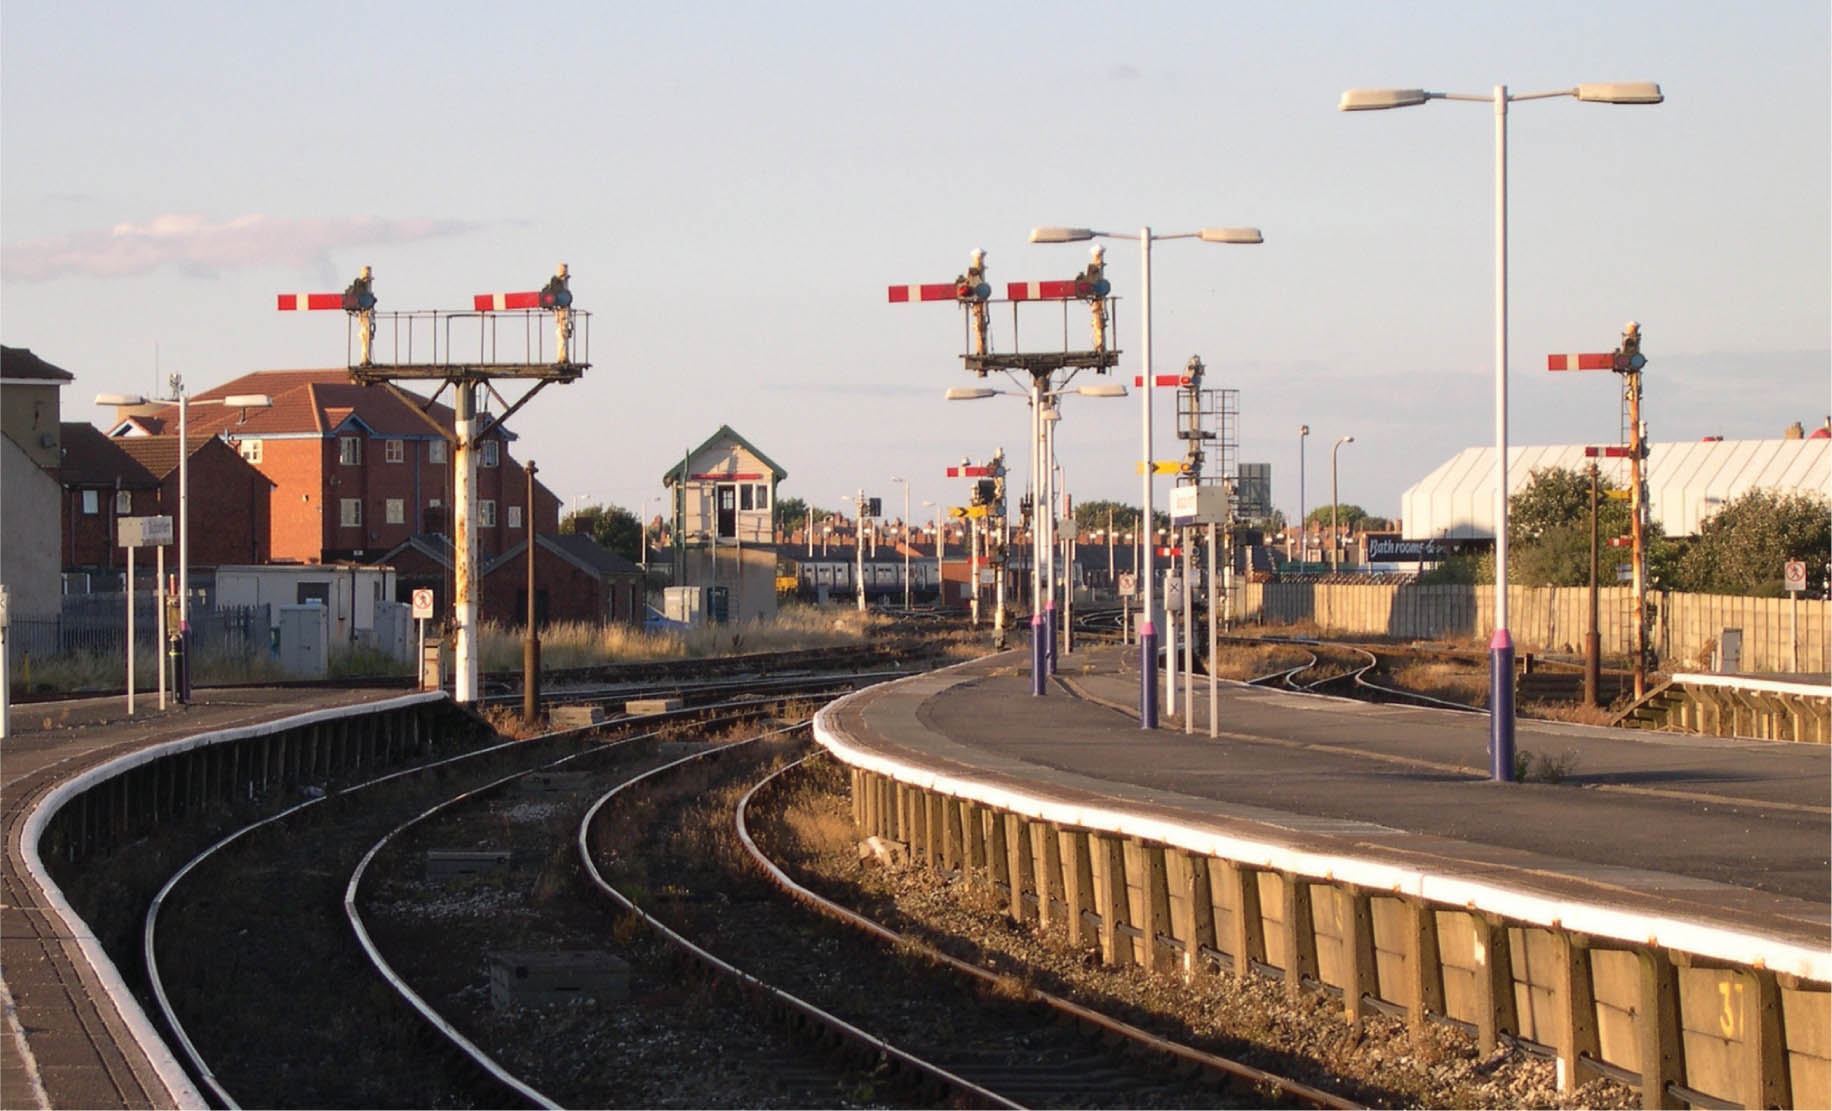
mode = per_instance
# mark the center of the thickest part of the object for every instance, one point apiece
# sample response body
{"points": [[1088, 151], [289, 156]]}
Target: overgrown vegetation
{"points": [[578, 644]]}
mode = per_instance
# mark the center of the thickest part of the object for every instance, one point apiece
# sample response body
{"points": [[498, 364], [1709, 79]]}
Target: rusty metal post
{"points": [[464, 547], [531, 639], [1638, 504], [1593, 640]]}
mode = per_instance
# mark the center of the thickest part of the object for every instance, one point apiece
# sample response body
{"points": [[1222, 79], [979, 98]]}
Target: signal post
{"points": [[421, 350]]}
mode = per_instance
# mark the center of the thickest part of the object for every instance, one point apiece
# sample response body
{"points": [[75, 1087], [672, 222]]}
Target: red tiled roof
{"points": [[92, 459], [19, 362], [312, 402], [159, 454]]}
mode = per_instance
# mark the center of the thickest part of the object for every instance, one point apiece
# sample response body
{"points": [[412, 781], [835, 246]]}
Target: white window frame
{"points": [[515, 516], [251, 451], [394, 510], [350, 513], [394, 451], [491, 455], [486, 513], [350, 451], [435, 451], [124, 503]]}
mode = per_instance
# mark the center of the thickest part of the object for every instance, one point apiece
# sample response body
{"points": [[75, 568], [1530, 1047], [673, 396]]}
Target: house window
{"points": [[350, 451], [251, 450], [92, 502], [395, 508], [515, 516], [486, 513], [490, 449], [350, 512], [435, 451], [394, 451], [124, 503], [762, 500], [744, 497]]}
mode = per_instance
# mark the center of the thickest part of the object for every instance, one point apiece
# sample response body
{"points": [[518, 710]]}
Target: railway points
{"points": [[1682, 871]]}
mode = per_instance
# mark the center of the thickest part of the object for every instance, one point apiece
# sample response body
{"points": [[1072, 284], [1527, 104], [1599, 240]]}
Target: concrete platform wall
{"points": [[1684, 1027]]}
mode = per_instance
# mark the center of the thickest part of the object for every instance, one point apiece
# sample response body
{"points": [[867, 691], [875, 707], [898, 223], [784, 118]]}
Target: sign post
{"points": [[1794, 578], [141, 532], [422, 611]]}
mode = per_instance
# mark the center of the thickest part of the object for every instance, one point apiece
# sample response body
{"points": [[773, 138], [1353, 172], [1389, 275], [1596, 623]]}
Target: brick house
{"points": [[356, 470], [576, 579], [101, 484]]}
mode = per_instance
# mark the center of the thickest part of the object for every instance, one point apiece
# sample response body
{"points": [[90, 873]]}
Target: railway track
{"points": [[258, 918]]}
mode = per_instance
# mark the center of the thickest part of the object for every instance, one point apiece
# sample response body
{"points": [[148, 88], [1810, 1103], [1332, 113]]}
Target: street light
{"points": [[906, 541], [1303, 432], [939, 600], [1148, 636], [1334, 502], [184, 403], [1501, 645], [1042, 411]]}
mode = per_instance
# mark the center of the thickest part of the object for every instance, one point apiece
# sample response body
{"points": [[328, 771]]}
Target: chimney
{"points": [[1794, 432]]}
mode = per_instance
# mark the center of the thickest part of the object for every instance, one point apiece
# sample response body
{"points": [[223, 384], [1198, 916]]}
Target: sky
{"points": [[734, 186]]}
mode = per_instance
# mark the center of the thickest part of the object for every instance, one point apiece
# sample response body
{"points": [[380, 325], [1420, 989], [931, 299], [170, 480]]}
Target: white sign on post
{"points": [[1794, 575], [423, 604], [145, 532]]}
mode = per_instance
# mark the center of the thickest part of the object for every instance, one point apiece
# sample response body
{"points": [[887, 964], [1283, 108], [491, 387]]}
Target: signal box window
{"points": [[350, 512], [435, 451], [490, 449], [763, 495], [350, 450], [394, 451], [744, 497]]}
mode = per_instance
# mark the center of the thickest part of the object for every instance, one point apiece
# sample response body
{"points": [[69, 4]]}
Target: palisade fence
{"points": [[1686, 627], [96, 625]]}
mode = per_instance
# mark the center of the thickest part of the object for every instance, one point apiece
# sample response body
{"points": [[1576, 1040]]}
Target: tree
{"points": [[1549, 531], [1346, 515], [613, 526], [1741, 549], [1091, 515], [792, 513]]}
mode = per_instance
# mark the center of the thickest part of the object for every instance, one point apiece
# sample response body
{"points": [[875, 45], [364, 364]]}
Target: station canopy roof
{"points": [[1687, 482]]}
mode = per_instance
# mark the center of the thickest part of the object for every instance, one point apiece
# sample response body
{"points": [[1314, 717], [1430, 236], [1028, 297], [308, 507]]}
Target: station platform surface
{"points": [[1730, 834], [62, 1041]]}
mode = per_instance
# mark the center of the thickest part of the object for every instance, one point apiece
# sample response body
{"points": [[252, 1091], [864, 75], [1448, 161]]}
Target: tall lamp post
{"points": [[1501, 645], [1303, 433], [906, 541], [940, 601], [183, 401], [1334, 503], [1148, 635], [1040, 541]]}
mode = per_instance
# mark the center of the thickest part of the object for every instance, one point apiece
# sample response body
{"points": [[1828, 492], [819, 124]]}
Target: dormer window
{"points": [[350, 451]]}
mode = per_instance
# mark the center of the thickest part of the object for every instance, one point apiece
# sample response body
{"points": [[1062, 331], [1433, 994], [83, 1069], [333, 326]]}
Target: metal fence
{"points": [[96, 625]]}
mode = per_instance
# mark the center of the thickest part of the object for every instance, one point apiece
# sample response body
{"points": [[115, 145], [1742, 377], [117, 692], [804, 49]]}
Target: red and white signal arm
{"points": [[1794, 575], [422, 604]]}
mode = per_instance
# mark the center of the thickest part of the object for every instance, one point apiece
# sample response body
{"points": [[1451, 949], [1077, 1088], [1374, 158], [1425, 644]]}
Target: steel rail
{"points": [[794, 1004], [1106, 1024]]}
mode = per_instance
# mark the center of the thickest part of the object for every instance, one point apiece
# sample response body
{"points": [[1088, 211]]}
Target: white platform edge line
{"points": [[165, 1063], [1702, 939]]}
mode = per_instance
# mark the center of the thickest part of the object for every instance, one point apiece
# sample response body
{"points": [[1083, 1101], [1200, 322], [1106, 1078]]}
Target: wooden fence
{"points": [[1778, 634]]}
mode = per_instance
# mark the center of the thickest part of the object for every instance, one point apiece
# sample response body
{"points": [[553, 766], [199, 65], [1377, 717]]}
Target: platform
{"points": [[1724, 834], [66, 1042]]}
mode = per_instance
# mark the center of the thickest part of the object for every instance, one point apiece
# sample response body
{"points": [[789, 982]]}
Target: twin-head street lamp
{"points": [[1148, 636], [1501, 647], [232, 401], [1043, 591]]}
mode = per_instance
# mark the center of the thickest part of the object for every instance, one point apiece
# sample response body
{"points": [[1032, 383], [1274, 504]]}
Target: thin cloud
{"points": [[192, 243]]}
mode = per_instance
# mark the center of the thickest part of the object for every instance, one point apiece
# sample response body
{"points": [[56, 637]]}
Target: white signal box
{"points": [[1199, 505]]}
